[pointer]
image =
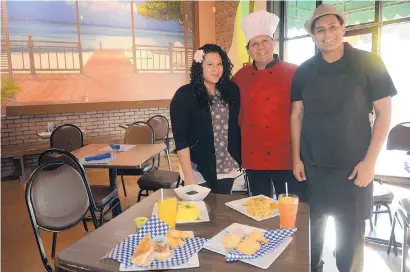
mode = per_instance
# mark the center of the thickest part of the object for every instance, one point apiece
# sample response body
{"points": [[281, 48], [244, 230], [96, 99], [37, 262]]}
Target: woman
{"points": [[204, 116]]}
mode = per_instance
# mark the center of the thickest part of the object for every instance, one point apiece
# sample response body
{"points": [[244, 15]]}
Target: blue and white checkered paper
{"points": [[124, 250], [103, 161], [274, 237]]}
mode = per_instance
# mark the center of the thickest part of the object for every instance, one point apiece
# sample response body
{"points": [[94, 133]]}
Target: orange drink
{"points": [[288, 208], [167, 211]]}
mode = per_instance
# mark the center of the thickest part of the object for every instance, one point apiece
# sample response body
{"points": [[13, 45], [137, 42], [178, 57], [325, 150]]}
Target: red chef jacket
{"points": [[264, 116]]}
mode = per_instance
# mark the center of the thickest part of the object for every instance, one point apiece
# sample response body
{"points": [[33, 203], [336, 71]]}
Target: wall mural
{"points": [[95, 51], [237, 53]]}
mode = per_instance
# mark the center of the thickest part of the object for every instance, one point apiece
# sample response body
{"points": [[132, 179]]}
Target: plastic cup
{"points": [[140, 221], [167, 211], [288, 208]]}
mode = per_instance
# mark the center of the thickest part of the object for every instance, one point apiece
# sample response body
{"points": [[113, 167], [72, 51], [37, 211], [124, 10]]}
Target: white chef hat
{"points": [[259, 23]]}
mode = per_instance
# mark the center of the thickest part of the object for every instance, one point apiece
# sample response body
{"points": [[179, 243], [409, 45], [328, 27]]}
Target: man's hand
{"points": [[299, 170], [363, 173]]}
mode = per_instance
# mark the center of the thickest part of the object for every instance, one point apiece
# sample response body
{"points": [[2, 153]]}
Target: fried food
{"points": [[172, 242], [162, 252], [175, 237], [180, 234], [258, 236], [180, 241], [143, 254], [231, 241], [259, 206], [249, 246]]}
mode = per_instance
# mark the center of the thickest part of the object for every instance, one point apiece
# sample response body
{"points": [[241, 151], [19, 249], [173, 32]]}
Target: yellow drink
{"points": [[288, 208], [167, 211]]}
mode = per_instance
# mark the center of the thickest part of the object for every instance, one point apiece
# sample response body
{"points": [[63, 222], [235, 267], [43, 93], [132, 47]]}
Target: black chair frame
{"points": [[165, 139], [32, 215], [66, 125], [112, 204], [135, 172]]}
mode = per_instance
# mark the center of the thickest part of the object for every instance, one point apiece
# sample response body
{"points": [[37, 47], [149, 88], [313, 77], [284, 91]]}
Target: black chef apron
{"points": [[335, 137]]}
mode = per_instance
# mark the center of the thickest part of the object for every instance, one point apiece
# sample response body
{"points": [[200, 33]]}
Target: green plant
{"points": [[162, 10], [8, 88]]}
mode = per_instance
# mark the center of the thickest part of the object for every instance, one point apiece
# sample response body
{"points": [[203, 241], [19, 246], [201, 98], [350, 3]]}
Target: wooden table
{"points": [[85, 254], [131, 159], [390, 166]]}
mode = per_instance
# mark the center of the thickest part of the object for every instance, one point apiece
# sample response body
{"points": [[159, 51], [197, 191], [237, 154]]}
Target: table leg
{"points": [[23, 170], [113, 184]]}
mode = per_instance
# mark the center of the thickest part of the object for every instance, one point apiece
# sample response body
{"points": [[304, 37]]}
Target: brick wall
{"points": [[224, 22], [22, 129]]}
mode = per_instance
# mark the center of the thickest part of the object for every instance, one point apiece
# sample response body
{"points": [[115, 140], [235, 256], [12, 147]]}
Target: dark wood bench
{"points": [[19, 151]]}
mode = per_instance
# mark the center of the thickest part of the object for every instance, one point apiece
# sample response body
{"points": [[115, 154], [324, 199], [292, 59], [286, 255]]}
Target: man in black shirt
{"points": [[334, 146]]}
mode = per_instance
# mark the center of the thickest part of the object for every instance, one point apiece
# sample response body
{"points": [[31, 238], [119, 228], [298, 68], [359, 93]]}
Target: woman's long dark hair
{"points": [[202, 97]]}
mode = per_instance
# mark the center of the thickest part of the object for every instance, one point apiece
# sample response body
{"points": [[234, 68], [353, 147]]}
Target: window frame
{"points": [[279, 8]]}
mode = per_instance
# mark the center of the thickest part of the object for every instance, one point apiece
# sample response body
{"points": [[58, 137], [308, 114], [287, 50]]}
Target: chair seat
{"points": [[381, 194], [158, 179], [103, 194], [146, 166]]}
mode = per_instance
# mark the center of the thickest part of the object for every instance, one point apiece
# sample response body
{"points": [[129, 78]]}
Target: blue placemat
{"points": [[274, 237], [117, 148], [124, 250], [102, 161]]}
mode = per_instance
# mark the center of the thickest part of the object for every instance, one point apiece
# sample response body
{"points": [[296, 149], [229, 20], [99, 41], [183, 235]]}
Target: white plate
{"points": [[238, 206], [193, 262], [203, 211], [44, 134], [215, 245]]}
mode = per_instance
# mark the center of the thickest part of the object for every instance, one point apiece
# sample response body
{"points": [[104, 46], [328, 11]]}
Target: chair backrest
{"points": [[160, 125], [139, 133], [59, 155], [67, 137], [399, 137], [56, 200], [56, 155]]}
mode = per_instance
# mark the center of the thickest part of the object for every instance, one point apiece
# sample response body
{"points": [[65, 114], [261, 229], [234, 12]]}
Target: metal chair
{"points": [[67, 137], [137, 133], [103, 196], [399, 137], [57, 198], [157, 179], [382, 196], [402, 215], [160, 125]]}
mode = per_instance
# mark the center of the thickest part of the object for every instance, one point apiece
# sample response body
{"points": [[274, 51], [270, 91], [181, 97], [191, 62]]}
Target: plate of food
{"points": [[188, 212], [161, 249], [250, 245], [155, 247], [256, 207]]}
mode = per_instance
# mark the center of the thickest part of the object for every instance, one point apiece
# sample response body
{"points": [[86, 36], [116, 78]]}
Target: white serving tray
{"points": [[238, 206], [215, 245]]}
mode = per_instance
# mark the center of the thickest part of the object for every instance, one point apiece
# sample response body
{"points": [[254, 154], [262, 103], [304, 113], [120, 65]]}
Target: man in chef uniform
{"points": [[334, 146], [264, 116]]}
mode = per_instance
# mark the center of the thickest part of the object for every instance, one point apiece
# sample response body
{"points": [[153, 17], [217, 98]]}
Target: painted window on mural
{"points": [[96, 51]]}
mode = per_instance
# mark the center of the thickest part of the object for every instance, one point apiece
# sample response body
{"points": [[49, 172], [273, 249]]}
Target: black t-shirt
{"points": [[366, 67]]}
